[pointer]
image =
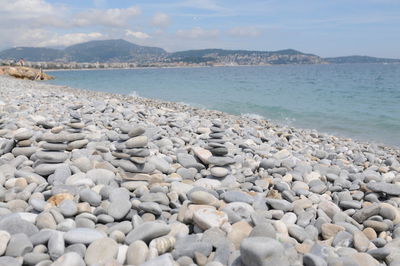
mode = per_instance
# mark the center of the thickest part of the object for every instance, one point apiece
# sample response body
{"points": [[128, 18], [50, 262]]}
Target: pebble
{"points": [[262, 251], [101, 251], [147, 231], [4, 239], [82, 235], [137, 253]]}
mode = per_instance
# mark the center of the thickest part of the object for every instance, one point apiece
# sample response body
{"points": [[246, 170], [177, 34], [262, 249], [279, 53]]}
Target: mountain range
{"points": [[120, 51]]}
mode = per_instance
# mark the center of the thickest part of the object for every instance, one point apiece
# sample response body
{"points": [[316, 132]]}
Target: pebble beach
{"points": [[91, 178]]}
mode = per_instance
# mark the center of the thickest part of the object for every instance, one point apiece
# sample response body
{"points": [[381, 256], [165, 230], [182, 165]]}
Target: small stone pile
{"points": [[75, 125], [24, 141], [53, 153], [131, 151], [219, 151]]}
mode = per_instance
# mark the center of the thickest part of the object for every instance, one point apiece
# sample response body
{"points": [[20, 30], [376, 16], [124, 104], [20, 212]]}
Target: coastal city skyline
{"points": [[337, 28]]}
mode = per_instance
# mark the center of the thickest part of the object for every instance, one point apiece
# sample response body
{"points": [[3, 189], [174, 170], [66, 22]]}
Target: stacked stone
{"points": [[24, 141], [132, 152], [53, 153], [76, 138], [75, 124], [6, 145], [216, 145]]}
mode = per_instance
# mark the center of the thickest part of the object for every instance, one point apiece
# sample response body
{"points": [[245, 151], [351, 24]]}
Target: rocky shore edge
{"points": [[21, 72], [90, 178]]}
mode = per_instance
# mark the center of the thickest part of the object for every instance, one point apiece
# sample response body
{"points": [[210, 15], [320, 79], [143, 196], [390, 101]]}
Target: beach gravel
{"points": [[92, 178]]}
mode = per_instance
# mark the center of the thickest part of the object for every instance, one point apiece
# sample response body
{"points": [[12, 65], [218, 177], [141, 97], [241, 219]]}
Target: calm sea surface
{"points": [[361, 101]]}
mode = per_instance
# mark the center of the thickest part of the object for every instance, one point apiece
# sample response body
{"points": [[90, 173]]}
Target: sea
{"points": [[358, 101]]}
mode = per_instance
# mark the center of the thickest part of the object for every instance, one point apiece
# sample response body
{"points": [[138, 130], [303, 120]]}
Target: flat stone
{"points": [[189, 161], [330, 230], [137, 142], [90, 196], [4, 239], [220, 161], [137, 253], [361, 242], [147, 231], [69, 259], [278, 204], [206, 218], [202, 154], [68, 208], [382, 187], [25, 151], [52, 156], [33, 258], [237, 196], [82, 235], [101, 251], [366, 212], [14, 225], [46, 220], [23, 134], [203, 198], [137, 131], [100, 176], [262, 251], [379, 253], [54, 138], [190, 245], [77, 144], [10, 261], [219, 172], [19, 245], [151, 207], [263, 230], [56, 245], [240, 231], [118, 209]]}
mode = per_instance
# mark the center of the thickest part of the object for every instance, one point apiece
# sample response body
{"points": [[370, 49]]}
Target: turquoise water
{"points": [[361, 101]]}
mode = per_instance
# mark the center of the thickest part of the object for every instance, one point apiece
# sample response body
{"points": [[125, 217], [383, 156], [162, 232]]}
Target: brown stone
{"points": [[240, 231], [370, 233], [330, 230], [55, 200]]}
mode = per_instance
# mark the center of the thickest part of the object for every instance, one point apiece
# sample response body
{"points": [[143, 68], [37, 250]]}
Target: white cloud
{"points": [[197, 33], [26, 9], [244, 32], [69, 39], [113, 17], [137, 34], [161, 20]]}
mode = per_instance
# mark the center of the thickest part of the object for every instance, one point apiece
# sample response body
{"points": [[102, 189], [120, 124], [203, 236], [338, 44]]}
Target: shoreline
{"points": [[94, 177]]}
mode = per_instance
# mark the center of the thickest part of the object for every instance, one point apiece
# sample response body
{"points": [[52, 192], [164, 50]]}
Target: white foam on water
{"points": [[253, 116], [2, 103], [134, 94]]}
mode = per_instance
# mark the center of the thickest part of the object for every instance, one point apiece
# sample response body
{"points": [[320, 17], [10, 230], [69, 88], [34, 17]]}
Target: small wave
{"points": [[134, 94], [253, 116]]}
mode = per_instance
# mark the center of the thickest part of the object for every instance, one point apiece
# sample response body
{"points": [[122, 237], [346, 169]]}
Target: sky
{"points": [[323, 27]]}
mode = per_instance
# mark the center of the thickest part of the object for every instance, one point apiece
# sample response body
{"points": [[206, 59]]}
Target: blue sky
{"points": [[322, 27]]}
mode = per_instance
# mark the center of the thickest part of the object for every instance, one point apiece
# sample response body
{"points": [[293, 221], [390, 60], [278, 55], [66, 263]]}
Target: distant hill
{"points": [[359, 59], [121, 51], [245, 57], [93, 51], [111, 51]]}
